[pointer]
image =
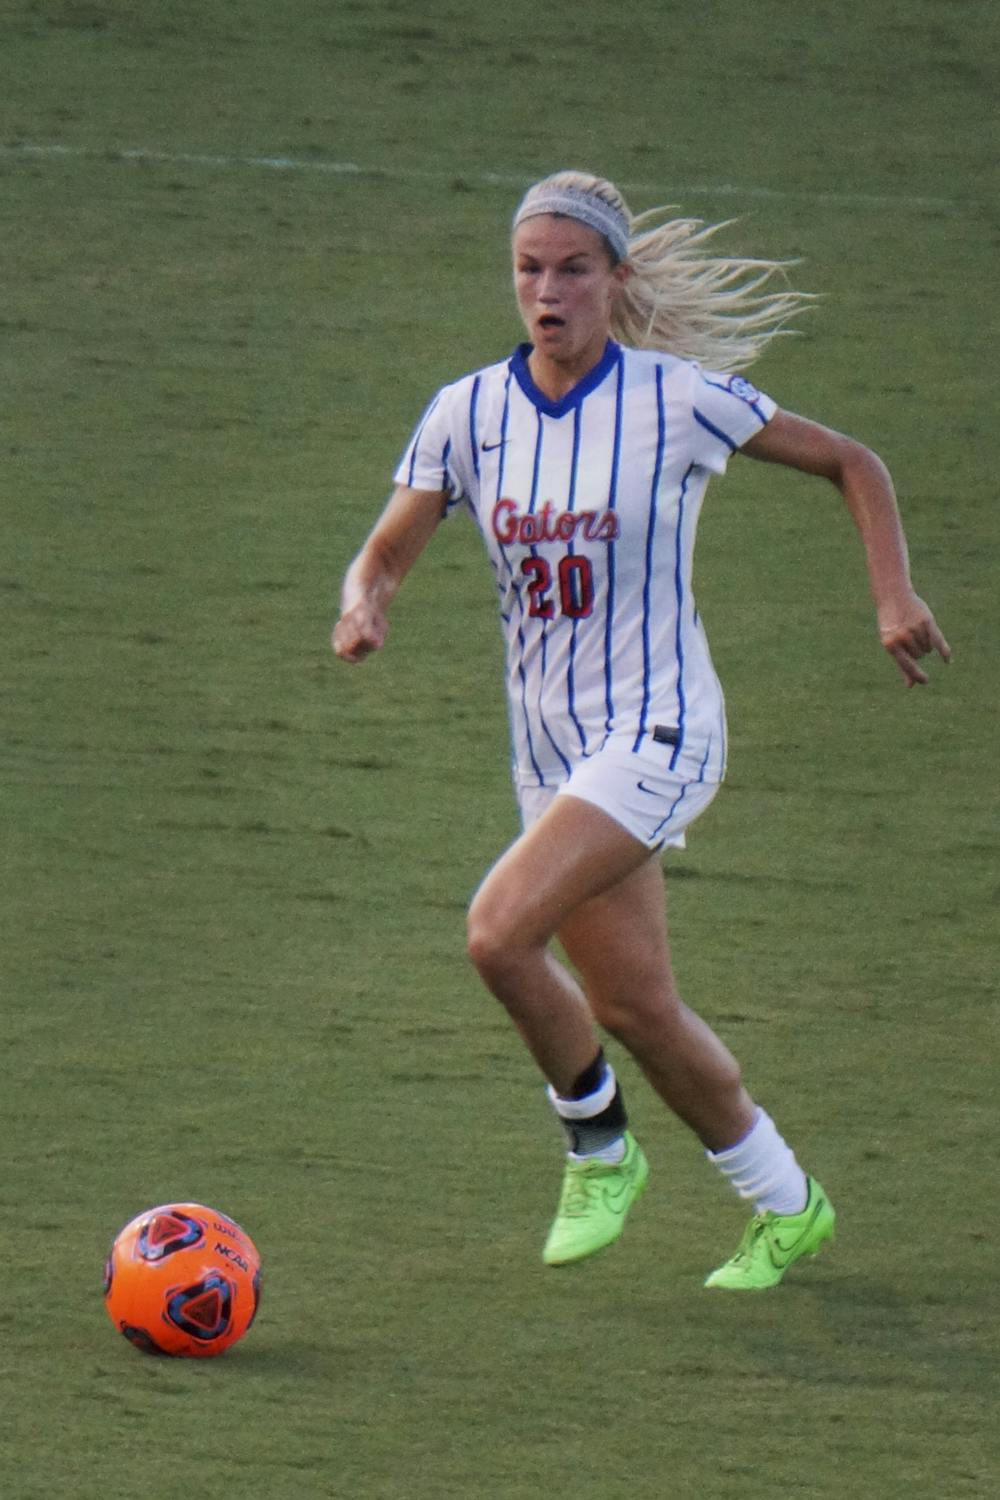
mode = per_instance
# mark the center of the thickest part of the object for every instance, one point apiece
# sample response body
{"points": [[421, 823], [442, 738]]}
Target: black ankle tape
{"points": [[585, 1136], [590, 1079]]}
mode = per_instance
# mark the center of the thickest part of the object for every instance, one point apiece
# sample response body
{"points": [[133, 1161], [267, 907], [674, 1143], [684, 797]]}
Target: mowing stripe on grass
{"points": [[56, 152]]}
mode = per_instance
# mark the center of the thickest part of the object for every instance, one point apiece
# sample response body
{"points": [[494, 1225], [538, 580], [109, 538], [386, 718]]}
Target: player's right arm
{"points": [[372, 581]]}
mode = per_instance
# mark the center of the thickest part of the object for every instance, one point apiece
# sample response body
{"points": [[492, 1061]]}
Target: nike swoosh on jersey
{"points": [[648, 790], [490, 447]]}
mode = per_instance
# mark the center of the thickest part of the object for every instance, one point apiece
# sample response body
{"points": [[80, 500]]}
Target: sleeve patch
{"points": [[738, 386]]}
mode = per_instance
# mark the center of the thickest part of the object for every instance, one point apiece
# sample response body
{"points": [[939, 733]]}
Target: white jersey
{"points": [[588, 507]]}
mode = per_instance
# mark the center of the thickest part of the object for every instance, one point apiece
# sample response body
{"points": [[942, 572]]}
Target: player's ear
{"points": [[621, 273]]}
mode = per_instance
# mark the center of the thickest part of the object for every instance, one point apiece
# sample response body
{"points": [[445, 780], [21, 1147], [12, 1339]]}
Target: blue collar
{"points": [[572, 398]]}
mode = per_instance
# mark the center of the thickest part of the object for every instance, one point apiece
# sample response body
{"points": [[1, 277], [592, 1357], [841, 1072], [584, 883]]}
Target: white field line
{"points": [[27, 150]]}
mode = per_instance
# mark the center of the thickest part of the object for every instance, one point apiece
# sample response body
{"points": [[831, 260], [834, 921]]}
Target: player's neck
{"points": [[556, 377]]}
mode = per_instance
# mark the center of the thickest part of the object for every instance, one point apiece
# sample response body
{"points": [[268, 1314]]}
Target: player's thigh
{"points": [[570, 856], [618, 942]]}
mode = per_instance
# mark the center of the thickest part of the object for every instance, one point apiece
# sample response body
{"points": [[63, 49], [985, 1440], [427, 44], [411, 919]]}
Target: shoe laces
{"points": [[755, 1231], [579, 1185]]}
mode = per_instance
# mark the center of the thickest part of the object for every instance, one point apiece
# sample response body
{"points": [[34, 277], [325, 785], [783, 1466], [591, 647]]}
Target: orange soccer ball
{"points": [[183, 1280]]}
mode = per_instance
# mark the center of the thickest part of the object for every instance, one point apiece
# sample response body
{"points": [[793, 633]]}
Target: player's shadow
{"points": [[884, 1328]]}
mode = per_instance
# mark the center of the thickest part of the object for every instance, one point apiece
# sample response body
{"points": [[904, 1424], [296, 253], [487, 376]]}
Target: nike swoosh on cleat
{"points": [[617, 1200], [619, 1197], [790, 1249]]}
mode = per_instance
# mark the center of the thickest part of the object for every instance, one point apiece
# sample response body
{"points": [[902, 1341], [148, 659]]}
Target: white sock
{"points": [[612, 1154], [763, 1169]]}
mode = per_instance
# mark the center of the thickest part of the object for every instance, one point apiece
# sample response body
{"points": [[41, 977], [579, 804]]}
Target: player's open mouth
{"points": [[549, 320]]}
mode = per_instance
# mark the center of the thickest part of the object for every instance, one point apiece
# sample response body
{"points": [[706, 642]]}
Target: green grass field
{"points": [[234, 871]]}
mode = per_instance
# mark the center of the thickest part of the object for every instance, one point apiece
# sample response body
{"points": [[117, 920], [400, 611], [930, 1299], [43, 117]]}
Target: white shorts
{"points": [[639, 791]]}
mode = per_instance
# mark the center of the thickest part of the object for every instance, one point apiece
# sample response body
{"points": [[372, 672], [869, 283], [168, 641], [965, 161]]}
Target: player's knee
{"points": [[488, 941], [641, 1005], [501, 949]]}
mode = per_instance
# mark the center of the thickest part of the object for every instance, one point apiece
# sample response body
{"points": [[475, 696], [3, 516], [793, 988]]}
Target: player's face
{"points": [[565, 282]]}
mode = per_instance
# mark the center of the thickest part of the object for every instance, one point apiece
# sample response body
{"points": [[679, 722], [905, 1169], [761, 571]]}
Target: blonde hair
{"points": [[680, 299]]}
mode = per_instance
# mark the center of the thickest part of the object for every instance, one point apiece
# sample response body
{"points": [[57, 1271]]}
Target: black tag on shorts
{"points": [[663, 735]]}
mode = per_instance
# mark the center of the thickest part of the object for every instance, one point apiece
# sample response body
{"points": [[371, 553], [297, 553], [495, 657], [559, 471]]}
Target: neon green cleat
{"points": [[773, 1242], [595, 1198]]}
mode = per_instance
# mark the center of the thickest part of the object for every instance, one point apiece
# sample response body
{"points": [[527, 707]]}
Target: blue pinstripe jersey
{"points": [[588, 507]]}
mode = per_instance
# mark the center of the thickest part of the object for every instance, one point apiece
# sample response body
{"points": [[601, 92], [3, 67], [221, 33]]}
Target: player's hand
{"points": [[361, 630], [909, 631]]}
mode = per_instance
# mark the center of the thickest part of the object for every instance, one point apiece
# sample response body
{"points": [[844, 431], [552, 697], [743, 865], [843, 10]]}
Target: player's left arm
{"points": [[906, 625]]}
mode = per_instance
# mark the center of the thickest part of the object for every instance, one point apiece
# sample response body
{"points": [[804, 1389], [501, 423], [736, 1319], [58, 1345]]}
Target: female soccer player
{"points": [[584, 459]]}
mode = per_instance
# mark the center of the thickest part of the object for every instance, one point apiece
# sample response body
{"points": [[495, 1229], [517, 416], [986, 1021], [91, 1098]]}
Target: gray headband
{"points": [[586, 207]]}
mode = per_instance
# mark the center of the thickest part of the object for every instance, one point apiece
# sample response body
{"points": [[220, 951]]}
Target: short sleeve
{"points": [[727, 411], [433, 460]]}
